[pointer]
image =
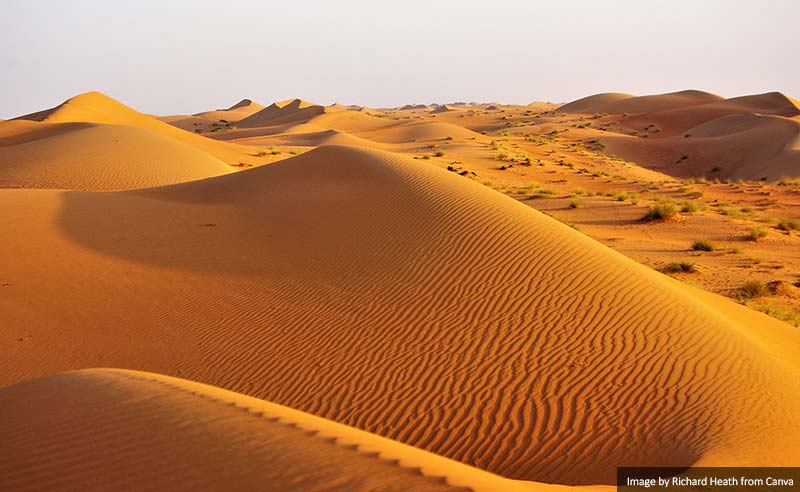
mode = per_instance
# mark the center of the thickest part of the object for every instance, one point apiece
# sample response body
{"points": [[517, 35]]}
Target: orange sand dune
{"points": [[445, 108], [682, 119], [421, 131], [386, 294], [207, 120], [238, 111], [175, 423], [282, 112], [617, 103], [411, 107], [88, 156], [315, 137], [744, 145], [313, 121], [93, 107], [189, 123]]}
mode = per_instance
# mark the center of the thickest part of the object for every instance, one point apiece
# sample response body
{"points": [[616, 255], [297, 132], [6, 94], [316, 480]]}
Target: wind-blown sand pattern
{"points": [[365, 295]]}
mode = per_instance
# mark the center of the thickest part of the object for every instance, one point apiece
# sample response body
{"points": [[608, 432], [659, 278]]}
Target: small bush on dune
{"points": [[789, 225], [661, 211], [703, 245], [757, 233], [681, 267], [752, 289], [574, 204]]}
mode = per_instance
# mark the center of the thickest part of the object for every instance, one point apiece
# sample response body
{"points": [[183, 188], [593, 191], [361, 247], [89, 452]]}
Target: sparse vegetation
{"points": [[757, 233], [679, 267], [660, 211], [574, 204], [789, 225], [752, 289], [703, 245]]}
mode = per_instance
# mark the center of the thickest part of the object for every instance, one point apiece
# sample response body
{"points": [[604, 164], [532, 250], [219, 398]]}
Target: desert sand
{"points": [[452, 297]]}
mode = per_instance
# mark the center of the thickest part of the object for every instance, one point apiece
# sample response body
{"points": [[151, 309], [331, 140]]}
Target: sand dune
{"points": [[748, 137], [383, 293], [618, 103], [739, 146], [236, 112], [93, 107], [420, 132], [681, 119], [445, 108], [313, 121], [174, 422], [281, 113], [87, 156]]}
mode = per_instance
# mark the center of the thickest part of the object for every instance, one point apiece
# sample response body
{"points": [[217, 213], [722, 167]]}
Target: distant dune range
{"points": [[206, 120], [691, 133], [385, 294]]}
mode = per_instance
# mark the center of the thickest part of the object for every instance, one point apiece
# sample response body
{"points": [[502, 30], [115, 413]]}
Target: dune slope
{"points": [[256, 445], [394, 297]]}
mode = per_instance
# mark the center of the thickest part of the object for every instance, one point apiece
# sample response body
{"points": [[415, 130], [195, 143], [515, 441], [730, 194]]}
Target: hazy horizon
{"points": [[184, 57]]}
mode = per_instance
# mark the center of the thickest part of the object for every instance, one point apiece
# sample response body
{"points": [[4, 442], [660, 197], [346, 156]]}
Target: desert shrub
{"points": [[703, 245], [757, 233], [439, 153], [752, 289], [789, 225], [689, 207], [661, 211], [574, 204], [680, 267]]}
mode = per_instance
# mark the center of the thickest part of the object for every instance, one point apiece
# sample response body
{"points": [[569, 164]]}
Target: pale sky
{"points": [[185, 56]]}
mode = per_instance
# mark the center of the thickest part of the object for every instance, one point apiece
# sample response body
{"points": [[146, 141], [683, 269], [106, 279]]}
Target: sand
{"points": [[360, 317], [175, 423]]}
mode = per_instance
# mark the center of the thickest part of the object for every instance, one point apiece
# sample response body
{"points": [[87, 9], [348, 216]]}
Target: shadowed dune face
{"points": [[386, 294]]}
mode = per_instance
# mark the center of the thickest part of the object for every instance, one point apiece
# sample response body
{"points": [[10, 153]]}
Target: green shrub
{"points": [[681, 267], [703, 245], [757, 233], [789, 225], [752, 289], [661, 211]]}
